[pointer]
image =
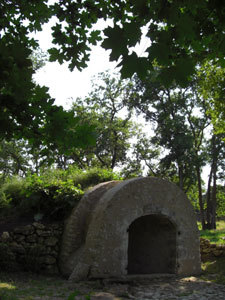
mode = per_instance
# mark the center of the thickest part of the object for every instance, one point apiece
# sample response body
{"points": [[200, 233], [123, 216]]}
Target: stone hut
{"points": [[138, 226]]}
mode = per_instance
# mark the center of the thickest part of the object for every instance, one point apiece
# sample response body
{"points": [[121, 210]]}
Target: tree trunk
{"points": [[214, 196], [200, 197], [209, 202], [211, 196]]}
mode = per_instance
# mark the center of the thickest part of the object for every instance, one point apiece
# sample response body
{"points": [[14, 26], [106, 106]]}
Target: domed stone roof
{"points": [[138, 226]]}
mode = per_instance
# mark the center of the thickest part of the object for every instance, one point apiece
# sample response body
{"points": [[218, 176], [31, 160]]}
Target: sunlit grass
{"points": [[8, 286], [217, 235], [7, 291], [220, 225]]}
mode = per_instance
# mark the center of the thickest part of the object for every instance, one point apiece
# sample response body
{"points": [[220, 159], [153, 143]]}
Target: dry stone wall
{"points": [[33, 247], [36, 247], [210, 251]]}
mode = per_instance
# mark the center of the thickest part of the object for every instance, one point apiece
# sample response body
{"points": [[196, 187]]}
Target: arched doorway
{"points": [[152, 245]]}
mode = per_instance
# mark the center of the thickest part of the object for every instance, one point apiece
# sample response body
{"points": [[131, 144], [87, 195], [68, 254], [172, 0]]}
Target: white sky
{"points": [[64, 84]]}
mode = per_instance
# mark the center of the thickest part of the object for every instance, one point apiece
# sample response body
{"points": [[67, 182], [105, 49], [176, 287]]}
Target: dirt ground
{"points": [[28, 286]]}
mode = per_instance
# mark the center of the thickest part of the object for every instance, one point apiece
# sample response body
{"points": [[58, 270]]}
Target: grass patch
{"points": [[29, 286], [7, 291], [214, 271], [217, 235]]}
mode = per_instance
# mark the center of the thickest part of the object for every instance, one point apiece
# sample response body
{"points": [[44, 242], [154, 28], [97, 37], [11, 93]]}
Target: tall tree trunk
{"points": [[200, 197], [214, 196], [209, 202], [211, 196]]}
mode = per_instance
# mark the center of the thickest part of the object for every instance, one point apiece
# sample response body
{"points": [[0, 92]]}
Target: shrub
{"points": [[91, 177], [12, 190], [4, 200], [53, 193], [52, 198]]}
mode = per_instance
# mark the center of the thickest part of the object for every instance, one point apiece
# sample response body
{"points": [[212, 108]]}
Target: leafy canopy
{"points": [[182, 34], [27, 110], [211, 87]]}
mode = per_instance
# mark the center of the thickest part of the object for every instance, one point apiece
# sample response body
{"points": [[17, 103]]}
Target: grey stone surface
{"points": [[5, 236], [37, 243], [51, 241], [77, 225], [97, 232]]}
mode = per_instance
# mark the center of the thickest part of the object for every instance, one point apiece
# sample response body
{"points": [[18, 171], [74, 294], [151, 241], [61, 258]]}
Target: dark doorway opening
{"points": [[152, 245]]}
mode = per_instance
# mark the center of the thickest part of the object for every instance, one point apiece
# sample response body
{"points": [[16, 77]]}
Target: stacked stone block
{"points": [[210, 251], [33, 247]]}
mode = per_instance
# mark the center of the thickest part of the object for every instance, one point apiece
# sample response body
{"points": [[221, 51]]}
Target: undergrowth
{"points": [[214, 271], [53, 193]]}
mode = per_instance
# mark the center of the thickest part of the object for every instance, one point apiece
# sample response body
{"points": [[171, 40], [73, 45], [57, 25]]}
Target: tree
{"points": [[38, 58], [12, 159], [23, 104], [182, 34], [104, 109], [211, 87], [180, 118], [18, 157], [144, 158], [27, 110], [220, 200], [217, 163], [169, 110]]}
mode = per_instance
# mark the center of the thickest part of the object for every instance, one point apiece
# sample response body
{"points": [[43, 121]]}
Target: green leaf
{"points": [[133, 64], [95, 36], [183, 69], [115, 42], [186, 27], [132, 31], [54, 54], [160, 53]]}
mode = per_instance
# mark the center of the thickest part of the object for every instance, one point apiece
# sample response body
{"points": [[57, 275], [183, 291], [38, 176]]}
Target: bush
{"points": [[53, 193], [10, 195], [50, 197], [4, 200], [12, 191], [91, 177]]}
